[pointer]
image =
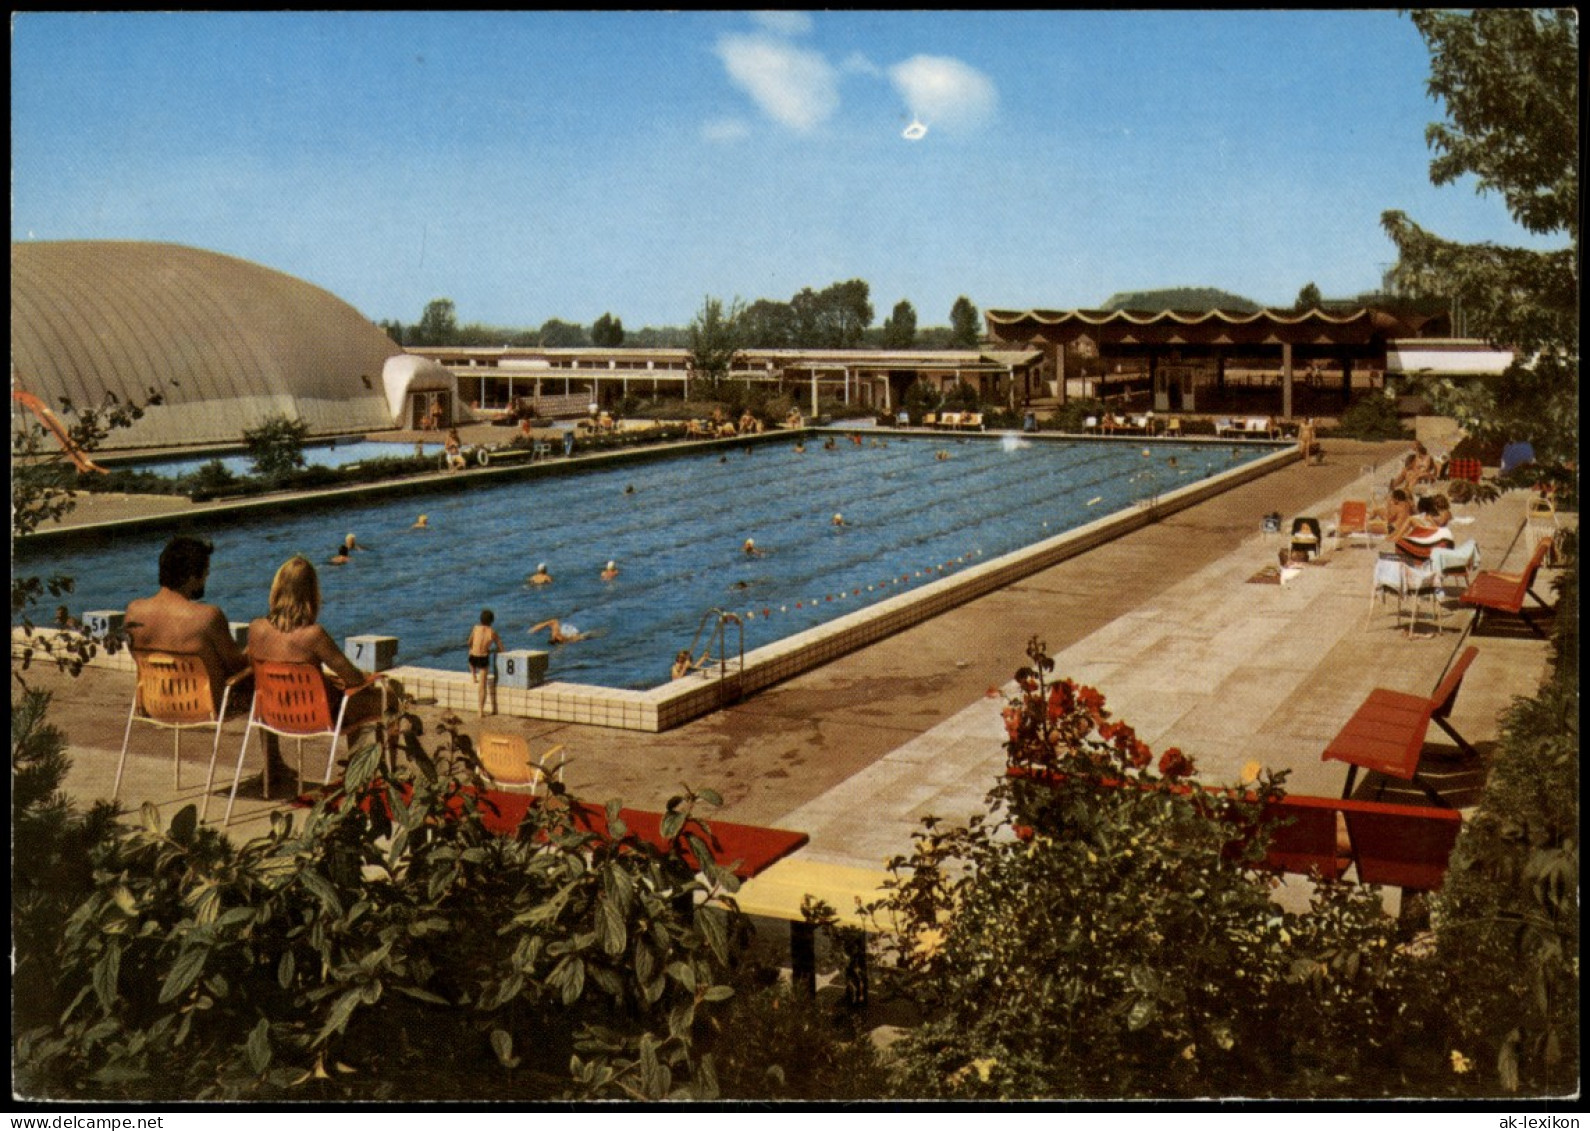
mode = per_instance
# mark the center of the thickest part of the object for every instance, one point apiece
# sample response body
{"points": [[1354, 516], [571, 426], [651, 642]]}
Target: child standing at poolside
{"points": [[483, 640]]}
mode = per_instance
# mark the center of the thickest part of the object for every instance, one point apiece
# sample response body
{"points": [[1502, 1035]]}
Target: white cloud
{"points": [[784, 23], [795, 87], [945, 92], [858, 64], [725, 130]]}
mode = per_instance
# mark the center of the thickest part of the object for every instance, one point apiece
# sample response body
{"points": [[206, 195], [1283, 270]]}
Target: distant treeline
{"points": [[839, 316]]}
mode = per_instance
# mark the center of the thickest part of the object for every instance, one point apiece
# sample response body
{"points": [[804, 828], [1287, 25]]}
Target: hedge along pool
{"points": [[916, 509]]}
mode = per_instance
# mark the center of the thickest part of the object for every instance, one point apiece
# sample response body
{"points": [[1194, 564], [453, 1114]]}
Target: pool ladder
{"points": [[717, 638]]}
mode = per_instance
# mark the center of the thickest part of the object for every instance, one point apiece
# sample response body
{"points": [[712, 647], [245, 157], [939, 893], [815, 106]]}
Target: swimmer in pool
{"points": [[561, 633], [610, 572], [345, 551], [684, 665], [839, 520], [751, 550], [421, 523], [540, 576]]}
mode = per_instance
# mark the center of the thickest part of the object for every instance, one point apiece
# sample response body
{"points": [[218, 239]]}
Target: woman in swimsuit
{"points": [[483, 640]]}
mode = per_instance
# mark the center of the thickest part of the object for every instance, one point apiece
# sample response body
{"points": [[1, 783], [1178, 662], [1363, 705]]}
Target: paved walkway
{"points": [[1163, 621]]}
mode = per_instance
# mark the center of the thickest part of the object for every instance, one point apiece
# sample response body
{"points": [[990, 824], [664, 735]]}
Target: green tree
{"points": [[768, 325], [1308, 298], [899, 329], [607, 332], [394, 330], [557, 334], [966, 325], [833, 318], [1507, 917], [276, 446], [438, 326], [1509, 81], [715, 342]]}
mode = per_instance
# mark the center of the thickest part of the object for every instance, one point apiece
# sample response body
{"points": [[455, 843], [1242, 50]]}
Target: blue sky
{"points": [[562, 165]]}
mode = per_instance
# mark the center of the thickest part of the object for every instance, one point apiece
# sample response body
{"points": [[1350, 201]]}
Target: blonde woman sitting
{"points": [[289, 633]]}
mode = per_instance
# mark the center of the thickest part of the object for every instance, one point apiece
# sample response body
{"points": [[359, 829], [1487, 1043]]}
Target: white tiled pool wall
{"points": [[679, 701]]}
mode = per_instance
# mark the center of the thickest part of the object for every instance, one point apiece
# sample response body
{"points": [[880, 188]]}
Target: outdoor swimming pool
{"points": [[916, 509]]}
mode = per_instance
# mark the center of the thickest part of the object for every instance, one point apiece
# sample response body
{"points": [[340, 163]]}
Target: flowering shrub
{"points": [[1102, 932]]}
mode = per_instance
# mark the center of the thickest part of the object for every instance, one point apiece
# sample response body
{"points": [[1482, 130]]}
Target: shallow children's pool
{"points": [[914, 509]]}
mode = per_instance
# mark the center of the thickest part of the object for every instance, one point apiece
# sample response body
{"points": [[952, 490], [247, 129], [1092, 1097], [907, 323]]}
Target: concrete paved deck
{"points": [[1163, 621]]}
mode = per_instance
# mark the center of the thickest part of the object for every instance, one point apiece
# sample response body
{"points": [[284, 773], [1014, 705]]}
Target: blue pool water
{"points": [[675, 528], [336, 454]]}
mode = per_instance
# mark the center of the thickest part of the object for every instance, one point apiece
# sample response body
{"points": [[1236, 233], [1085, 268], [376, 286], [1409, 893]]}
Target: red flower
{"points": [[1092, 701], [1061, 700], [1023, 832], [1140, 754], [1174, 764], [1012, 722]]}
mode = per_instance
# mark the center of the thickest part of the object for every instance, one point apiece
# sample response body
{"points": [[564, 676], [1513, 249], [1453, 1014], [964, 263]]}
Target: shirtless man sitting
{"points": [[175, 620]]}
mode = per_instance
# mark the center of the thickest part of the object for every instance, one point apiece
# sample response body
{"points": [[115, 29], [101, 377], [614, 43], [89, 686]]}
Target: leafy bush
{"points": [[920, 399], [1371, 416], [276, 447], [1102, 933], [50, 845], [1069, 417], [775, 1043], [211, 479], [392, 946], [1507, 918]]}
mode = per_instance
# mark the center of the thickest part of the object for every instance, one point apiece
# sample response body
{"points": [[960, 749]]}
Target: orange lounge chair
{"points": [[506, 763], [1353, 521], [1492, 591]]}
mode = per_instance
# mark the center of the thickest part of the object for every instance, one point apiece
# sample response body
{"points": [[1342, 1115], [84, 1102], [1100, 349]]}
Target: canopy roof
{"points": [[1205, 327]]}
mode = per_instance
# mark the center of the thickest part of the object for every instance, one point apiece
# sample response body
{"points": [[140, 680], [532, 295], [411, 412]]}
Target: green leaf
{"points": [[184, 824], [569, 977], [710, 796], [610, 926], [502, 1045], [184, 972], [684, 974], [714, 925], [285, 970], [655, 1078], [361, 768], [423, 995], [337, 1020], [151, 817], [106, 972], [1141, 1013], [718, 993], [672, 822], [321, 888], [258, 1047]]}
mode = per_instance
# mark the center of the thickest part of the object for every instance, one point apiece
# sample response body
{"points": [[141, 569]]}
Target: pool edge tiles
{"points": [[677, 702]]}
